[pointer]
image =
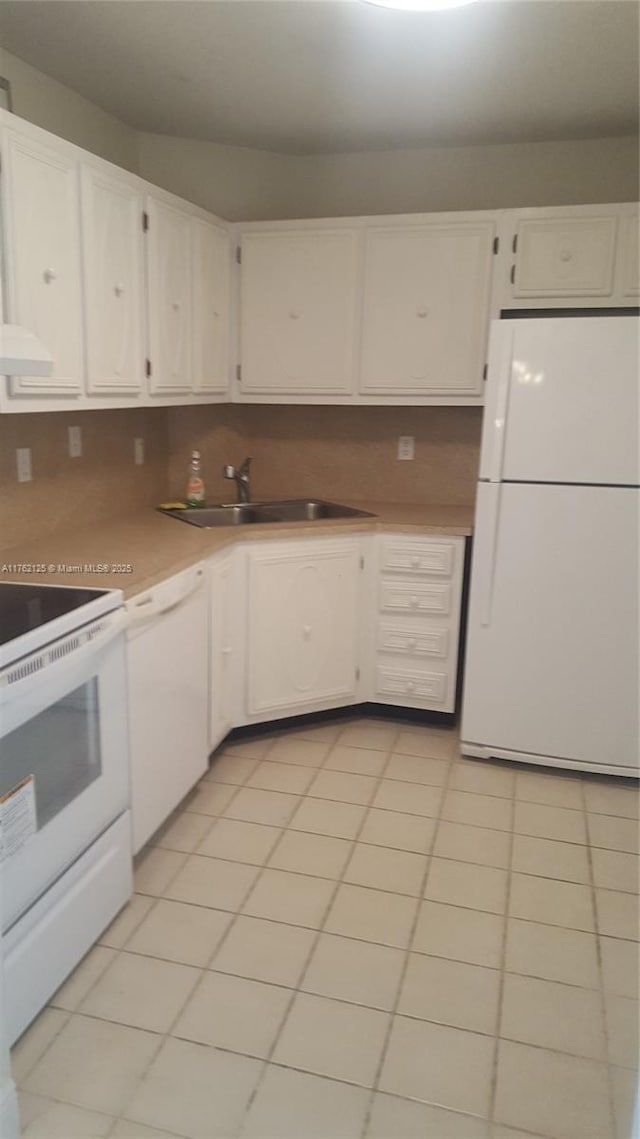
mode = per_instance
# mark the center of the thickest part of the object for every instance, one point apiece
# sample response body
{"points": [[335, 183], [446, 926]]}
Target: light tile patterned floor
{"points": [[350, 932]]}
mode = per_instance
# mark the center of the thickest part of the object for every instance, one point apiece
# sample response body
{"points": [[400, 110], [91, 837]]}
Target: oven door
{"points": [[64, 771]]}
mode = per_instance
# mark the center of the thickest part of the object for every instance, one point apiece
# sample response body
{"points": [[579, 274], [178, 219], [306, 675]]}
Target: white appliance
{"points": [[552, 644], [168, 669], [64, 784]]}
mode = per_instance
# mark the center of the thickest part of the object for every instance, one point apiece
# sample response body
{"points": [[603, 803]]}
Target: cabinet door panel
{"points": [[113, 260], [426, 309], [565, 257], [210, 298], [223, 646], [169, 298], [303, 627], [628, 256], [42, 229], [298, 307]]}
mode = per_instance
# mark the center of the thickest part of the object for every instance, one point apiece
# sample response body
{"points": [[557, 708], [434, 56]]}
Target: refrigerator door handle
{"points": [[486, 566], [500, 404]]}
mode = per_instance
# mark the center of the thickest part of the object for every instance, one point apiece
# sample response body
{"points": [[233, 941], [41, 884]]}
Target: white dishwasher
{"points": [[168, 669]]}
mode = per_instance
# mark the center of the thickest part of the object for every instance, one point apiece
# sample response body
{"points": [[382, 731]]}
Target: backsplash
{"points": [[101, 484], [331, 452]]}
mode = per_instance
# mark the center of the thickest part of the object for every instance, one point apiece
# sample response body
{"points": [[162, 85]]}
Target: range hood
{"points": [[22, 354]]}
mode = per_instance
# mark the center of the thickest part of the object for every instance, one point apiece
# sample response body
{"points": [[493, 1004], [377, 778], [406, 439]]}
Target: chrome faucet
{"points": [[240, 476]]}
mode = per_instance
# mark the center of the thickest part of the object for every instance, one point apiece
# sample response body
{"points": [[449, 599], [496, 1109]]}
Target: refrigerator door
{"points": [[562, 401], [552, 643]]}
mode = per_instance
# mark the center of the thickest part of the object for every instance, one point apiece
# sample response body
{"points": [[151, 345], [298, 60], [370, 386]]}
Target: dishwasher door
{"points": [[168, 669]]}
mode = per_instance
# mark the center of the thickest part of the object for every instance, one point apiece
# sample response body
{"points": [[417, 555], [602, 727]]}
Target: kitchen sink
{"points": [[242, 514]]}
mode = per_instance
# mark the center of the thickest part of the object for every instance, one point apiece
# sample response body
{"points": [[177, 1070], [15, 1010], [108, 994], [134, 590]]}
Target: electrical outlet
{"points": [[138, 452], [23, 464], [75, 442], [406, 447]]}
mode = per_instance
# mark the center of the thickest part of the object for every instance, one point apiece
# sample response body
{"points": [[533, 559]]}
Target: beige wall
{"points": [[331, 452], [231, 181], [243, 184], [246, 185], [102, 484], [469, 178], [56, 108]]}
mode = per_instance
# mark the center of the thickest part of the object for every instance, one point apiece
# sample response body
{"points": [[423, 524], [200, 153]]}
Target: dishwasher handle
{"points": [[165, 598]]}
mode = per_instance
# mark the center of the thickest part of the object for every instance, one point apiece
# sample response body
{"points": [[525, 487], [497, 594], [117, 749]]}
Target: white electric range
{"points": [[65, 832]]}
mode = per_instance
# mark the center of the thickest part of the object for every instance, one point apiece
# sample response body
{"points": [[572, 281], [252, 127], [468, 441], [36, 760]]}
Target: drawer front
{"points": [[410, 642], [418, 557], [415, 597], [411, 685]]}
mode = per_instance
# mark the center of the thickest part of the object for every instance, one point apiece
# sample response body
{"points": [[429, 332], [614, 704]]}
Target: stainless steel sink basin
{"points": [[291, 510]]}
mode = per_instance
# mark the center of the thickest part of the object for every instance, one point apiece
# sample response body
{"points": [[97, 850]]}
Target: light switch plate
{"points": [[23, 464], [138, 452], [406, 447], [75, 442]]}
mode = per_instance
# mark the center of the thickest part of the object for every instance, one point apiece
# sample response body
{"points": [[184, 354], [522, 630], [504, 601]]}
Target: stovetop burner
{"points": [[24, 607]]}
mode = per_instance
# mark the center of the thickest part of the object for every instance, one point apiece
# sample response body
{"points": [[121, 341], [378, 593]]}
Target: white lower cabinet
{"points": [[224, 658], [418, 621], [271, 629], [304, 620]]}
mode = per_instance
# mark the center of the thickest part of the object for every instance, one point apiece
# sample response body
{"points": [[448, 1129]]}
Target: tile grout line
{"points": [[407, 953], [156, 898], [164, 1037], [318, 934], [493, 1089], [603, 1004]]}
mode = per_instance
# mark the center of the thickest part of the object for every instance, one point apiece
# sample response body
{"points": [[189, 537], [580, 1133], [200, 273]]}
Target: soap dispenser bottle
{"points": [[195, 481]]}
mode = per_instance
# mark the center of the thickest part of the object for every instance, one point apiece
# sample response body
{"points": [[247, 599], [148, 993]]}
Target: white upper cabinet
{"points": [[570, 257], [169, 288], [565, 257], [112, 211], [297, 315], [210, 271], [426, 309], [40, 213]]}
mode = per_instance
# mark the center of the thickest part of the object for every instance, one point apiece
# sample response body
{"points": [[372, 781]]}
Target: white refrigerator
{"points": [[551, 672]]}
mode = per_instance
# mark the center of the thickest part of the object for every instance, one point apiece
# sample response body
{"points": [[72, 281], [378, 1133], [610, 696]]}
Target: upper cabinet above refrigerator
{"points": [[570, 257], [562, 403]]}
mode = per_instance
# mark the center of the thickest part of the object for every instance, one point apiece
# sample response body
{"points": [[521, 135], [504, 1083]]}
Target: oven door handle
{"points": [[49, 663]]}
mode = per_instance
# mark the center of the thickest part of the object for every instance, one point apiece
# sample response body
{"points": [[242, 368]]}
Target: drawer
{"points": [[412, 685], [415, 597], [400, 556], [408, 641]]}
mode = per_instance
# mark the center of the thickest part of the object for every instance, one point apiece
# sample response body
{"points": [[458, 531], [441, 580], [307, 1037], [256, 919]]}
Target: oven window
{"points": [[60, 747]]}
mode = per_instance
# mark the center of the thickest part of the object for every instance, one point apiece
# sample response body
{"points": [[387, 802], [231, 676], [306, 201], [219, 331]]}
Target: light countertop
{"points": [[155, 546]]}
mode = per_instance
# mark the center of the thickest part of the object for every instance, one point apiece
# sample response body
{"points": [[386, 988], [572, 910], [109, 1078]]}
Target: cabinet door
{"points": [[426, 309], [564, 257], [222, 643], [42, 233], [628, 256], [169, 298], [113, 274], [297, 312], [303, 626], [210, 298]]}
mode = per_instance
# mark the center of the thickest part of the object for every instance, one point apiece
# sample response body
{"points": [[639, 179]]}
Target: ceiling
{"points": [[322, 76]]}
